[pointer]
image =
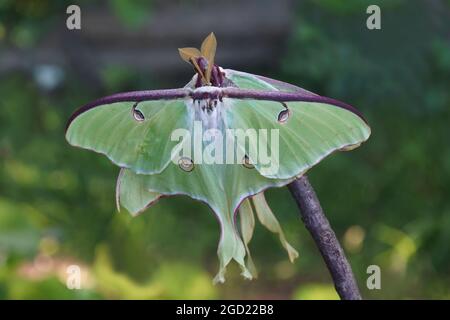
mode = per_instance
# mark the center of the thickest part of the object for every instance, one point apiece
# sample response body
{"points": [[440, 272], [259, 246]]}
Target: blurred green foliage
{"points": [[387, 201], [24, 22]]}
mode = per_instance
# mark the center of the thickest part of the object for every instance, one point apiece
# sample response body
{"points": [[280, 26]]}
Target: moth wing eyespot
{"points": [[284, 115], [186, 164], [137, 114], [247, 163]]}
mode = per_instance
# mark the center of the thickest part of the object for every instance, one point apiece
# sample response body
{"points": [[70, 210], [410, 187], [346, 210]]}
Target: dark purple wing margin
{"points": [[299, 94], [282, 96], [229, 92], [133, 96]]}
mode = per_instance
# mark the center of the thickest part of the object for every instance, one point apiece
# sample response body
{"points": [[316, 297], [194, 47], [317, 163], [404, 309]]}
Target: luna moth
{"points": [[135, 130]]}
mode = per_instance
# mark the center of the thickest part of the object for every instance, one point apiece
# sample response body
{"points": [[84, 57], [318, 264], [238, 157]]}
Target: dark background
{"points": [[387, 201]]}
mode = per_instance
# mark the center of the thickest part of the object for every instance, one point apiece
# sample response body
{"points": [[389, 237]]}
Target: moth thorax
{"points": [[208, 112]]}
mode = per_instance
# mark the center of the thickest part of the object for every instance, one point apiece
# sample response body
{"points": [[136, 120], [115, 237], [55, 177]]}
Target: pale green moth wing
{"points": [[258, 204], [132, 134], [252, 81], [247, 220], [308, 131], [132, 194], [268, 219], [222, 187]]}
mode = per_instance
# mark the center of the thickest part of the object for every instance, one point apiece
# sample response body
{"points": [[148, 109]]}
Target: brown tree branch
{"points": [[325, 238]]}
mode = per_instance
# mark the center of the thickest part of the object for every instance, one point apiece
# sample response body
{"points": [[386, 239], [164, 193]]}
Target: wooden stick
{"points": [[317, 224]]}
